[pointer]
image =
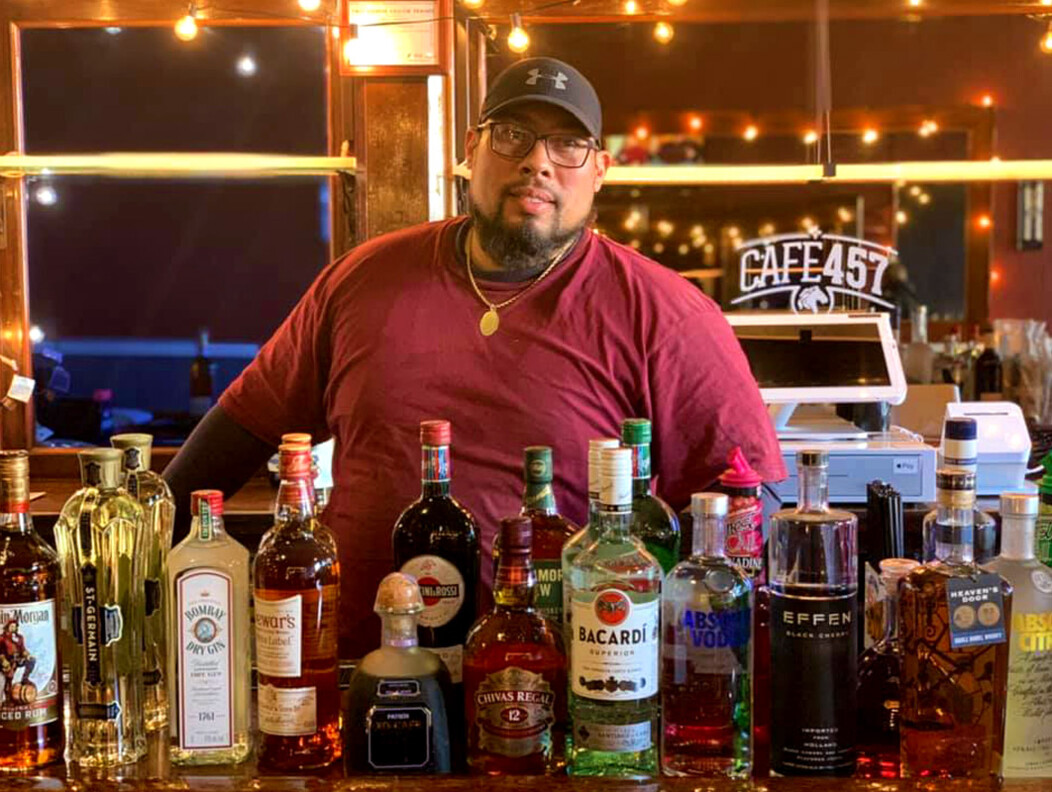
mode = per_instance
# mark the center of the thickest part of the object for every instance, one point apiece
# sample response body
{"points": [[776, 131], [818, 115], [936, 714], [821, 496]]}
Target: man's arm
{"points": [[219, 454]]}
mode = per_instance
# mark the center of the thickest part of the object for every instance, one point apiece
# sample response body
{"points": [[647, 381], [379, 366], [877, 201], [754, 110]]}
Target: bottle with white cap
{"points": [[705, 679], [1028, 735], [615, 639], [960, 451]]}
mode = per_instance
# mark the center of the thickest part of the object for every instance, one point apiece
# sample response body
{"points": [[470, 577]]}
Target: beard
{"points": [[523, 247]]}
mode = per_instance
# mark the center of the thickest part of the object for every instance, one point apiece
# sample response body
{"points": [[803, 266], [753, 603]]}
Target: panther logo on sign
{"points": [[812, 269]]}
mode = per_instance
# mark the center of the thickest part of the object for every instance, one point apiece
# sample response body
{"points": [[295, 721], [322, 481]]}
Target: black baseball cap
{"points": [[546, 80]]}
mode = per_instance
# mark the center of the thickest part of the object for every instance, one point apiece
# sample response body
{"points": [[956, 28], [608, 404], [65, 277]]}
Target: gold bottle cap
{"points": [[896, 568], [296, 438], [136, 448], [398, 593], [100, 467], [14, 482]]}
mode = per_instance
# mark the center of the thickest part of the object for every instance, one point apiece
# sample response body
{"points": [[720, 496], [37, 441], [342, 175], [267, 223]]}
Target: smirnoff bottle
{"points": [[158, 507], [615, 617], [813, 568], [98, 536], [209, 683], [652, 519]]}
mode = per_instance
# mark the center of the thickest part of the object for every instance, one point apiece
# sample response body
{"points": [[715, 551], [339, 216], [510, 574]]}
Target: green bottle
{"points": [[1043, 534], [653, 521]]}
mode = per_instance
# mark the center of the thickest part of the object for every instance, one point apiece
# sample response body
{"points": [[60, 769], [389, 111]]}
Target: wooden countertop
{"points": [[255, 498]]}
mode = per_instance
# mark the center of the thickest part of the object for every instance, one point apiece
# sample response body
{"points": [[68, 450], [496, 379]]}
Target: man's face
{"points": [[531, 206]]}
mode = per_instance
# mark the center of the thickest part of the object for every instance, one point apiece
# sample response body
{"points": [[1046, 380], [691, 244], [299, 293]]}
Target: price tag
{"points": [[21, 388]]}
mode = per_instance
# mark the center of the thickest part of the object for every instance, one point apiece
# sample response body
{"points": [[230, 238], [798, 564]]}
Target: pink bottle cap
{"points": [[740, 475]]}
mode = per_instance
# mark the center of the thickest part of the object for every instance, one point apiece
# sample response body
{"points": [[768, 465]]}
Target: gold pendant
{"points": [[489, 323]]}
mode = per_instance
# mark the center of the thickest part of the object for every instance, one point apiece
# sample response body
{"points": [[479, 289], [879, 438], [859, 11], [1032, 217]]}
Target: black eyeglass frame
{"points": [[594, 143]]}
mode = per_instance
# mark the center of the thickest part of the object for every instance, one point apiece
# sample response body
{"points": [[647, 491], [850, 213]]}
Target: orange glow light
{"points": [[751, 132], [810, 137], [984, 221], [987, 100], [642, 132], [995, 277], [695, 123]]}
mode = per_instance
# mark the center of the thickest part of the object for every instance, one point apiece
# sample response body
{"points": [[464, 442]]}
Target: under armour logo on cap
{"points": [[559, 79]]}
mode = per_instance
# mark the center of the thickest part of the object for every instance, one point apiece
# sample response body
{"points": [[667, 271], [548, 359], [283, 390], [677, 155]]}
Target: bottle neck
{"points": [[539, 498], [954, 532], [1017, 538], [613, 522], [398, 630], [435, 471], [709, 536], [15, 521], [891, 611], [640, 470], [295, 503], [515, 581], [207, 528], [813, 490]]}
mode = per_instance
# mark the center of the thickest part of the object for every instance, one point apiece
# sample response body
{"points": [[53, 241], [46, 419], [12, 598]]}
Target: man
{"points": [[518, 324], [13, 656]]}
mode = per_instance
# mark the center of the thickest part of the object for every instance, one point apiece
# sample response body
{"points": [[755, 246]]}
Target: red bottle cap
{"points": [[294, 462], [435, 433], [740, 475], [213, 497]]}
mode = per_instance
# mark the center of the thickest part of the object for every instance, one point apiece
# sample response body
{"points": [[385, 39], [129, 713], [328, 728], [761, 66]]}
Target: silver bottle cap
{"points": [[812, 459], [708, 504], [1019, 504], [595, 450]]}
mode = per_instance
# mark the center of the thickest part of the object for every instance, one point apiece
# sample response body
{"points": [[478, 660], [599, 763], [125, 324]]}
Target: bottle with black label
{"points": [[395, 711], [813, 569]]}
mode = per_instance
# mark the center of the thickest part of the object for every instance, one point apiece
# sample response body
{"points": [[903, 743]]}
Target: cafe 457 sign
{"points": [[813, 268]]}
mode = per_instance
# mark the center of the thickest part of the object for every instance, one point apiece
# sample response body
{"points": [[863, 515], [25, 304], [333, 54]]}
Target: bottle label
{"points": [[398, 688], [623, 738], [399, 738], [706, 641], [615, 648], [435, 464], [976, 607], [641, 461], [206, 671], [441, 586], [744, 542], [453, 657], [1042, 581], [1043, 537], [1028, 738], [514, 710], [279, 636], [548, 595], [29, 665], [287, 712], [95, 626], [813, 678]]}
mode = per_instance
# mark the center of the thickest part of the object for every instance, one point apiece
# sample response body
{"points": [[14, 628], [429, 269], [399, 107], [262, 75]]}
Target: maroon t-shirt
{"points": [[389, 335]]}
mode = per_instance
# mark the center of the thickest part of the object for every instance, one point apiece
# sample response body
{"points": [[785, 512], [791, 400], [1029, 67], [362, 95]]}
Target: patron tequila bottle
{"points": [[706, 621], [158, 508], [1028, 729], [209, 682], [814, 615], [616, 591], [396, 719], [652, 519], [31, 732], [98, 536], [953, 622]]}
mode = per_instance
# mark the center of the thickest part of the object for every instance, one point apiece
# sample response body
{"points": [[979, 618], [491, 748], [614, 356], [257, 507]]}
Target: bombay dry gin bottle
{"points": [[706, 624], [879, 675], [953, 623], [615, 618], [1028, 729], [158, 507], [296, 594], [208, 683], [653, 520], [515, 671], [395, 717], [813, 568], [31, 731], [98, 535]]}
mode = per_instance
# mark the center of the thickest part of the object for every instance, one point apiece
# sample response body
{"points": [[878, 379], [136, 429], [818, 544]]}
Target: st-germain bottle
{"points": [[209, 683], [158, 507], [1028, 718], [653, 520], [396, 721], [879, 673], [31, 730], [297, 584], [98, 535], [953, 624], [616, 591], [707, 619], [814, 615], [515, 671]]}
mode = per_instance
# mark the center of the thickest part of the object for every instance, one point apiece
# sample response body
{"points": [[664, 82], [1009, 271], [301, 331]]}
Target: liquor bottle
{"points": [[1028, 717], [1043, 538], [202, 371], [98, 536], [297, 583], [158, 508], [616, 593], [321, 530], [515, 671], [813, 573], [585, 536], [883, 538], [652, 519], [707, 620], [209, 683], [953, 619], [761, 684], [436, 541], [31, 732], [989, 380], [879, 671], [396, 719], [744, 525], [550, 532]]}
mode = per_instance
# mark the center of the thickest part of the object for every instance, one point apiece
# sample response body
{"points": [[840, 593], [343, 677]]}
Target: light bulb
{"points": [[695, 123], [186, 28], [924, 199], [471, 3], [984, 221], [810, 137], [642, 133], [870, 136], [518, 38], [901, 217], [987, 100], [46, 195], [751, 132], [36, 335], [683, 249], [246, 66], [677, 3], [631, 7], [663, 32], [310, 5], [1046, 41]]}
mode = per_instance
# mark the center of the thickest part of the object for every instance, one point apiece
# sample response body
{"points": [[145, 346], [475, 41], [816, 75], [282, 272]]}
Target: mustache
{"points": [[511, 190]]}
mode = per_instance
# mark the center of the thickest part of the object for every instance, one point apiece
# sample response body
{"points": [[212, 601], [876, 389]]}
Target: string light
{"points": [[310, 5], [695, 123], [518, 38], [665, 228], [663, 32], [1046, 41], [45, 195], [924, 199], [984, 221], [751, 132], [186, 28], [631, 7], [246, 66], [683, 249], [810, 137], [845, 215], [807, 223], [659, 247], [995, 277], [987, 100], [901, 217], [870, 136], [928, 128], [767, 229], [642, 133], [915, 190]]}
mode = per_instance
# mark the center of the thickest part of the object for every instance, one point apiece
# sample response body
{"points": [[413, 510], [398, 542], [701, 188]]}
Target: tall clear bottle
{"points": [[953, 623], [31, 729], [1028, 718], [209, 681], [98, 536], [814, 618], [616, 594], [653, 520], [158, 507], [706, 623]]}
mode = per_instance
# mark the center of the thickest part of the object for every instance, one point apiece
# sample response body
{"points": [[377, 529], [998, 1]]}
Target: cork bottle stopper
{"points": [[398, 593]]}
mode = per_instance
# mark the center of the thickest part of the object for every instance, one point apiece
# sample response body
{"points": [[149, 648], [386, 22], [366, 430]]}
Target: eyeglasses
{"points": [[515, 142]]}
